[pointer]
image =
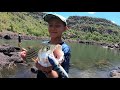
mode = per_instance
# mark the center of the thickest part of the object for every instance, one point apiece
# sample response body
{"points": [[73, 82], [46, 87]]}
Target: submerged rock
{"points": [[115, 73]]}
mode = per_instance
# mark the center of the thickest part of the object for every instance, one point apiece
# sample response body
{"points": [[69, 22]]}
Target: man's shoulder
{"points": [[65, 47]]}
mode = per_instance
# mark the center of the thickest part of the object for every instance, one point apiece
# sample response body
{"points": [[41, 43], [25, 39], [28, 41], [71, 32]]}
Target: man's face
{"points": [[56, 27]]}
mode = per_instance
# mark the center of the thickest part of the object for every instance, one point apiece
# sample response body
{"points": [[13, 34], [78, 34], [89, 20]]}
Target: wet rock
{"points": [[15, 57], [3, 60], [9, 54], [8, 48], [7, 37], [115, 73], [34, 70]]}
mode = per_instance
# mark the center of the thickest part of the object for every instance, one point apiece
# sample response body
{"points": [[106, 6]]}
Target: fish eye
{"points": [[48, 48]]}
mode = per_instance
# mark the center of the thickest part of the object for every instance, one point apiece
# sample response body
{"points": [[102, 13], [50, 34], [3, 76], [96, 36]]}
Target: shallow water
{"points": [[19, 71], [23, 71], [88, 62]]}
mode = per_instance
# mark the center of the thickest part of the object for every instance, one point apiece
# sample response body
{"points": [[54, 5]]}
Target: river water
{"points": [[87, 61]]}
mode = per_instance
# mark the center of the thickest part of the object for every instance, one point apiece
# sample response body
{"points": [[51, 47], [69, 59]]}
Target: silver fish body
{"points": [[43, 54], [46, 58], [57, 67]]}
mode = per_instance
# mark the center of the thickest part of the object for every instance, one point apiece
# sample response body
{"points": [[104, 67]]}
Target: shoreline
{"points": [[82, 74], [8, 35], [115, 46]]}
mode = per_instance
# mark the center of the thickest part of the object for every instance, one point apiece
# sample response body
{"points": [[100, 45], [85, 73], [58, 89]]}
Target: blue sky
{"points": [[112, 16]]}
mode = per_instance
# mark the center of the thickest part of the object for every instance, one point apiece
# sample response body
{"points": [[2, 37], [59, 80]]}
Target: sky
{"points": [[112, 16]]}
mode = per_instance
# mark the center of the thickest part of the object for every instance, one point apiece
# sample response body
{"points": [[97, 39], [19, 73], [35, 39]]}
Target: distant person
{"points": [[23, 51], [19, 40], [56, 26]]}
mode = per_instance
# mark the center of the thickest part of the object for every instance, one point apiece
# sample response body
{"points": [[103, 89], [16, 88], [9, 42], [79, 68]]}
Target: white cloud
{"points": [[113, 21], [91, 12]]}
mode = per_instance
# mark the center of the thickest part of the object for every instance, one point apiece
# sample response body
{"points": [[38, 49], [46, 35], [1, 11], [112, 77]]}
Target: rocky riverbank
{"points": [[10, 35], [103, 44], [9, 55]]}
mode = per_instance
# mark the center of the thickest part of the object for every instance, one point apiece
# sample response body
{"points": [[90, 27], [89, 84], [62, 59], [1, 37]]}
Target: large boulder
{"points": [[7, 37], [9, 54]]}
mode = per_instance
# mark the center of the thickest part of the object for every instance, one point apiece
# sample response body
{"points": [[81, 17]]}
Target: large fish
{"points": [[54, 59], [43, 55], [32, 52], [53, 56]]}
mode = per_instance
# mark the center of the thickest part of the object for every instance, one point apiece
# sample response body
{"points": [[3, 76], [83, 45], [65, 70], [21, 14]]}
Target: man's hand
{"points": [[47, 70], [43, 69], [23, 53]]}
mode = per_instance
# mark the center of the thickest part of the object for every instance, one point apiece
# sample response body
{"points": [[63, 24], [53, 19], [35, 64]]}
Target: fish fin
{"points": [[35, 60]]}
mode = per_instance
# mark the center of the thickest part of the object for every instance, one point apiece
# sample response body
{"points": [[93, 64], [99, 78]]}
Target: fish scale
{"points": [[32, 53], [35, 52]]}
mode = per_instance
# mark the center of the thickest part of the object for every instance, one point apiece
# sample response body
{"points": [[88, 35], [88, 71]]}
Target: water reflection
{"points": [[20, 71], [88, 61]]}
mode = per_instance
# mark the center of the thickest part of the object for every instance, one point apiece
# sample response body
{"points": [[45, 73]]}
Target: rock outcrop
{"points": [[9, 55], [115, 73]]}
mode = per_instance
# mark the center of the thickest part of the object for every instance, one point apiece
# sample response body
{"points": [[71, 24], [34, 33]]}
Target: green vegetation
{"points": [[92, 36], [22, 22], [96, 29], [82, 28]]}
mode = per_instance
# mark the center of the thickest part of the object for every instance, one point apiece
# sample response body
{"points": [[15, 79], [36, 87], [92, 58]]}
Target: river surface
{"points": [[87, 61]]}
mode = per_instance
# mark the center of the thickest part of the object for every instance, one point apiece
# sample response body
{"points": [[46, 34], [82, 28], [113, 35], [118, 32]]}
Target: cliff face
{"points": [[37, 15], [90, 24]]}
